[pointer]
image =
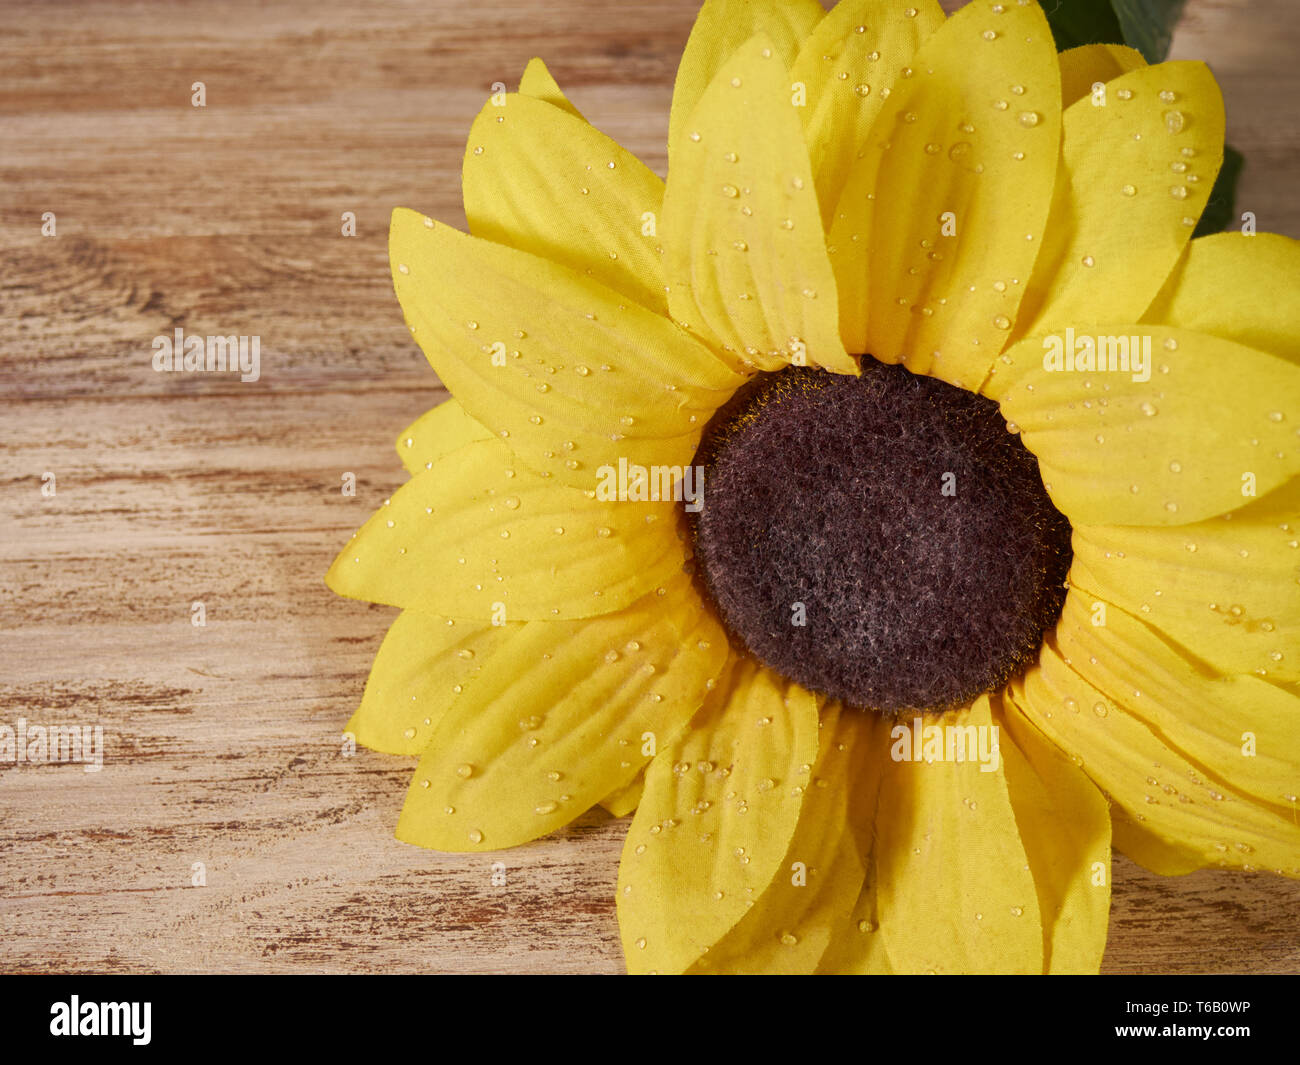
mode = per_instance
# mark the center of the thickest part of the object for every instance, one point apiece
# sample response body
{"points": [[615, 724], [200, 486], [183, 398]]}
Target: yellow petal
{"points": [[1213, 423], [721, 27], [626, 799], [1090, 64], [548, 183], [1139, 843], [847, 69], [1238, 287], [1144, 762], [436, 433], [538, 83], [1134, 178], [856, 946], [480, 537], [1064, 827], [565, 370], [719, 809], [564, 715], [1223, 588], [1064, 824], [423, 662], [747, 264], [1206, 715], [941, 218], [792, 924], [955, 891]]}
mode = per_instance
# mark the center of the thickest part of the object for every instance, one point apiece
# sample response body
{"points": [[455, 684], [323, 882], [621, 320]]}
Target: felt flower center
{"points": [[883, 539]]}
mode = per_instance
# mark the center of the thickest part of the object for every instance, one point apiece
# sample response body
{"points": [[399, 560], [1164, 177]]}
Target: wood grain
{"points": [[222, 743]]}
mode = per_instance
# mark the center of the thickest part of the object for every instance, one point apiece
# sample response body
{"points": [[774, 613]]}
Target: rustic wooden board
{"points": [[222, 743]]}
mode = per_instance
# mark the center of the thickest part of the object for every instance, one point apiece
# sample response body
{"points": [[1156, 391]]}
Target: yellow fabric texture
{"points": [[747, 264], [942, 214]]}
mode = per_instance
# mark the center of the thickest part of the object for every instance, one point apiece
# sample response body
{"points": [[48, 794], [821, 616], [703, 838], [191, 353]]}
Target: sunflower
{"points": [[961, 601]]}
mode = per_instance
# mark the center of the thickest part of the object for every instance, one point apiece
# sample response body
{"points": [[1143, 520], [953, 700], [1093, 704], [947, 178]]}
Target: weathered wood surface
{"points": [[222, 743]]}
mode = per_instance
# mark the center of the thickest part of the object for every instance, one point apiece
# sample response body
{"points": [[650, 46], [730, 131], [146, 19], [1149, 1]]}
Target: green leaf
{"points": [[1148, 25], [1076, 22], [1218, 213]]}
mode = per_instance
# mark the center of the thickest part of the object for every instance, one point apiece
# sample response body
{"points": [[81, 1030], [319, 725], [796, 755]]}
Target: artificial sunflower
{"points": [[923, 521]]}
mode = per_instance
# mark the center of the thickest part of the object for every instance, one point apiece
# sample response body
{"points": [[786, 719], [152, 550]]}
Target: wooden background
{"points": [[223, 742]]}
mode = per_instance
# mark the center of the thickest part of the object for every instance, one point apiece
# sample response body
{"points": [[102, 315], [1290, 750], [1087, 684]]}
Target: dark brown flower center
{"points": [[881, 539]]}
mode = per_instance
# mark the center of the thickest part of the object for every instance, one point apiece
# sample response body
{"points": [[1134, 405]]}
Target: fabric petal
{"points": [[1194, 427], [437, 433], [1134, 178], [626, 799], [1242, 288], [422, 665], [955, 890], [719, 810], [791, 925], [1206, 715], [1085, 66], [1225, 589], [563, 715], [1166, 767], [721, 27], [545, 182], [1064, 824], [856, 946], [747, 263], [943, 214], [847, 69], [538, 83], [478, 536], [565, 370], [1136, 841], [1064, 828]]}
